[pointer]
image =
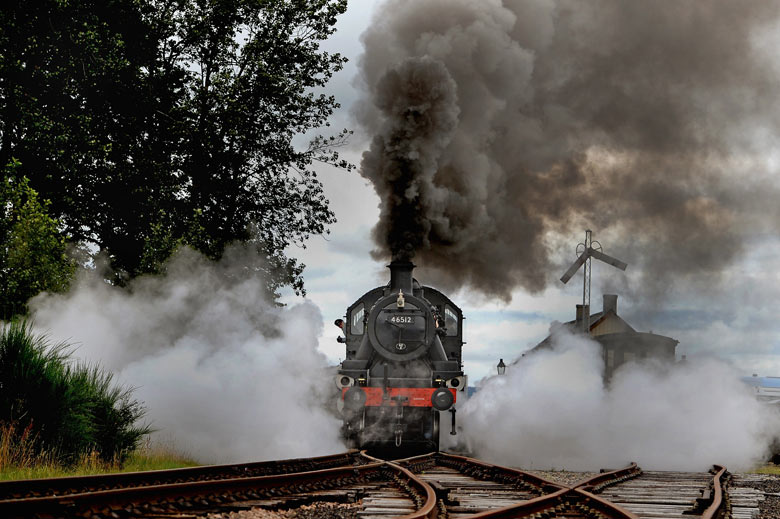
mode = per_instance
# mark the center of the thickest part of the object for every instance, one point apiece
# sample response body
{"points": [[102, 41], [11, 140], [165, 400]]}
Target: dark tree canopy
{"points": [[153, 123], [32, 250]]}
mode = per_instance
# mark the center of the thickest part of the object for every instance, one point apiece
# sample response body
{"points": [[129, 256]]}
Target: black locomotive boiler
{"points": [[403, 366]]}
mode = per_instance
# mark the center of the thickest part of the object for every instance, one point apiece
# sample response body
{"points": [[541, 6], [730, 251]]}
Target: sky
{"points": [[497, 132], [513, 126], [729, 312]]}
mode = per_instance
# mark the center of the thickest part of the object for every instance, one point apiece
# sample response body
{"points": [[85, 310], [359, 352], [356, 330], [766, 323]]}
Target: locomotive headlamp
{"points": [[343, 381], [458, 383], [354, 398], [400, 301], [442, 399]]}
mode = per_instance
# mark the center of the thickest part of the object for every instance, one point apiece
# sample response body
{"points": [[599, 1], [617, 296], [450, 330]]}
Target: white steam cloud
{"points": [[552, 411], [223, 372]]}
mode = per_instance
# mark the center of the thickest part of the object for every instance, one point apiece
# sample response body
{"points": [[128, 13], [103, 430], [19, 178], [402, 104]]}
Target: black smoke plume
{"points": [[504, 127]]}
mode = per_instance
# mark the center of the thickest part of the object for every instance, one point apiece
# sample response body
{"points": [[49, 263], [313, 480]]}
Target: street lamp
{"points": [[501, 368]]}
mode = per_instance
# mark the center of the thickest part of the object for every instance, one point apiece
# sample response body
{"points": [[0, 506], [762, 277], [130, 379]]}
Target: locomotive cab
{"points": [[403, 364]]}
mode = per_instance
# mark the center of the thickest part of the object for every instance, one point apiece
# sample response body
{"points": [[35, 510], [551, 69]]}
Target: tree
{"points": [[152, 123], [32, 251]]}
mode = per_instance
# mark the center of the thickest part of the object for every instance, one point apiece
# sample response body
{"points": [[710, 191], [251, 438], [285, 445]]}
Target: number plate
{"points": [[402, 319]]}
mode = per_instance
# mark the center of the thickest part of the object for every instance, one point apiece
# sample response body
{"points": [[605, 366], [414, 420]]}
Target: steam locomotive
{"points": [[403, 365]]}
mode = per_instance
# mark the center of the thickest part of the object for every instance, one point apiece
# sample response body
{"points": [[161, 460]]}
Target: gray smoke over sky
{"points": [[551, 410], [224, 373], [502, 126]]}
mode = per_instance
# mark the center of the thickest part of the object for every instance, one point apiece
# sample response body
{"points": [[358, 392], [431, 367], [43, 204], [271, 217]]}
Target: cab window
{"points": [[356, 322], [450, 320]]}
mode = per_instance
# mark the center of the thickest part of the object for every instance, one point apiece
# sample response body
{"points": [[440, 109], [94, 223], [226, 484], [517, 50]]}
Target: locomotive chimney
{"points": [[401, 276]]}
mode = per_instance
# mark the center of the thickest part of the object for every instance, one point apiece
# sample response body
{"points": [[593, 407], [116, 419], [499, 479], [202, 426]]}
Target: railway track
{"points": [[663, 494], [438, 485], [465, 486], [371, 480], [82, 484]]}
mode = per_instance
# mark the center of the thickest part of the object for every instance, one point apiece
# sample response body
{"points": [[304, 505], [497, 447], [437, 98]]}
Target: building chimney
{"points": [[583, 312], [610, 303]]}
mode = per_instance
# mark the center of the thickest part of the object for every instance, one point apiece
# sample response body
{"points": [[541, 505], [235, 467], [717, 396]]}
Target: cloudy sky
{"points": [[654, 128]]}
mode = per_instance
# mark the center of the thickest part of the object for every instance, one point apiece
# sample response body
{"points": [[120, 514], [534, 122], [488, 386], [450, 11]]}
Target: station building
{"points": [[620, 342]]}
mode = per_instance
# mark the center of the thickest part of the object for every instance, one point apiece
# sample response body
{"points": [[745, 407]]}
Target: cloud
{"points": [[502, 127]]}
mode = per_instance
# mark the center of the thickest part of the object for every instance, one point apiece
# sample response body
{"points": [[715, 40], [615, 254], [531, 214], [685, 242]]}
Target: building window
{"points": [[610, 358], [628, 356]]}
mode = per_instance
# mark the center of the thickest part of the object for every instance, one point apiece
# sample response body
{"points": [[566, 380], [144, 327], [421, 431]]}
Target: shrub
{"points": [[69, 410]]}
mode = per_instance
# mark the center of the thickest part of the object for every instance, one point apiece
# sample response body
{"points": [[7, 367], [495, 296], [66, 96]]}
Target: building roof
{"points": [[604, 323], [599, 319]]}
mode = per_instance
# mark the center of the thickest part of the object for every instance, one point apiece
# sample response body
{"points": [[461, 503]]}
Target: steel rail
{"points": [[597, 483], [606, 508], [571, 499], [600, 481], [578, 498], [175, 496], [426, 509], [79, 484], [717, 493], [550, 495], [543, 504], [196, 493], [501, 473], [565, 501], [554, 499]]}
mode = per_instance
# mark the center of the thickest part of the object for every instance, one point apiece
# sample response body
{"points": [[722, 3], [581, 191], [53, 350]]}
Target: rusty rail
{"points": [[81, 484], [203, 495], [426, 504], [717, 493], [562, 502], [146, 499], [596, 483], [499, 473], [142, 499], [427, 509], [574, 499]]}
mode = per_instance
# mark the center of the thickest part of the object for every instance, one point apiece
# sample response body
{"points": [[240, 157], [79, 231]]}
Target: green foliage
{"points": [[32, 250], [71, 410], [150, 123]]}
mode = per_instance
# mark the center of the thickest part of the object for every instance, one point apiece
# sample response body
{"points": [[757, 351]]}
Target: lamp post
{"points": [[501, 368]]}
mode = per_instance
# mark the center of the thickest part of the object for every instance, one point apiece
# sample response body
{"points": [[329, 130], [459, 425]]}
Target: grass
{"points": [[769, 468], [16, 463], [158, 456]]}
